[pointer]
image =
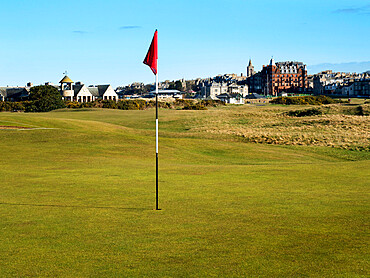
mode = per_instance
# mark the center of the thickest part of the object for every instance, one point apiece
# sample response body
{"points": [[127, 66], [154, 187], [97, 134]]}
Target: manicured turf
{"points": [[77, 200]]}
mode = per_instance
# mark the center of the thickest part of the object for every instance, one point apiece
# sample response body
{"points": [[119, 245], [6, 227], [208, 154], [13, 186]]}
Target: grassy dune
{"points": [[77, 194]]}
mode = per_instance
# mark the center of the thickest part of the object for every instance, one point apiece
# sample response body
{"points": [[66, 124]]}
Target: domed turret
{"points": [[66, 89], [66, 79]]}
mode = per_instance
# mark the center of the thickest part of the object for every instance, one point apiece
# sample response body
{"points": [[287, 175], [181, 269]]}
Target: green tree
{"points": [[176, 86], [44, 99]]}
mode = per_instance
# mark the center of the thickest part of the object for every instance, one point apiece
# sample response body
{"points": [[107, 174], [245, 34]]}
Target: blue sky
{"points": [[101, 42]]}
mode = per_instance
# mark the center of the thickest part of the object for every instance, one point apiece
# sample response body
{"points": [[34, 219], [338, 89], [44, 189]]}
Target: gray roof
{"points": [[3, 91], [236, 95], [14, 92], [102, 89], [99, 90], [226, 95], [94, 91], [166, 92], [254, 96], [77, 89]]}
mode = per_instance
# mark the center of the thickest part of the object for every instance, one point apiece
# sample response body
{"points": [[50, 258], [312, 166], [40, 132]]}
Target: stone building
{"points": [[213, 89], [341, 83], [287, 76], [361, 87], [254, 83]]}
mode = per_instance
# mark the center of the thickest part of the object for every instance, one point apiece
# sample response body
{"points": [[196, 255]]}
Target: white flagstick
{"points": [[156, 119], [156, 139]]}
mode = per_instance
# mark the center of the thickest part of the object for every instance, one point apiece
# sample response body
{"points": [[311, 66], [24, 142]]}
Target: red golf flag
{"points": [[152, 55]]}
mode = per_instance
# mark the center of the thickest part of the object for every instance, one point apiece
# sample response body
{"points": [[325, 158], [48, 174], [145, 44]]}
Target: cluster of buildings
{"points": [[342, 84], [285, 79], [69, 91], [275, 79]]}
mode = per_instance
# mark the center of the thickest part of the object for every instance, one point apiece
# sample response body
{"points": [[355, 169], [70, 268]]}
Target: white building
{"points": [[214, 89], [166, 94], [81, 93], [231, 98]]}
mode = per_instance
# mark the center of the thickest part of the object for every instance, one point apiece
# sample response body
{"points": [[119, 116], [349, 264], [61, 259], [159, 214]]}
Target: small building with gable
{"points": [[81, 93]]}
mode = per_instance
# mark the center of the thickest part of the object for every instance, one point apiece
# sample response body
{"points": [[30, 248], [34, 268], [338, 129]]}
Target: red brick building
{"points": [[289, 77]]}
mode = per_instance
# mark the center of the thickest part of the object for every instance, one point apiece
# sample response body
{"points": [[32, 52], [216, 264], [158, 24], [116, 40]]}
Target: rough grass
{"points": [[77, 199], [335, 125]]}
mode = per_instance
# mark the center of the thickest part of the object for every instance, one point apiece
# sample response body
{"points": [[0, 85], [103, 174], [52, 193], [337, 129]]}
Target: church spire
{"points": [[250, 69]]}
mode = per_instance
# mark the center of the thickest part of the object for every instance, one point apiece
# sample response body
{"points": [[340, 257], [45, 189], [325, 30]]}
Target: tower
{"points": [[66, 88], [250, 69]]}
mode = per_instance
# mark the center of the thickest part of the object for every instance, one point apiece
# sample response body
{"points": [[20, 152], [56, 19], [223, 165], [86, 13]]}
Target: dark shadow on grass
{"points": [[72, 206]]}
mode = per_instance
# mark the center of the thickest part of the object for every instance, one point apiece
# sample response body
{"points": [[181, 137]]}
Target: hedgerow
{"points": [[303, 100], [11, 106], [136, 104]]}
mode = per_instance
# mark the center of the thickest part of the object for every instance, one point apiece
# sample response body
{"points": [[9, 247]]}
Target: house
{"points": [[213, 89], [82, 93], [104, 92], [13, 93], [255, 98], [231, 98]]}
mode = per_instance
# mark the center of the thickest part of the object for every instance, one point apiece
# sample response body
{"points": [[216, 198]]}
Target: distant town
{"points": [[288, 78]]}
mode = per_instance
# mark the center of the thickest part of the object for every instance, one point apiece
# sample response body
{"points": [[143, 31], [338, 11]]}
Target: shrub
{"points": [[44, 99], [212, 103], [304, 100], [197, 106], [304, 113], [12, 106], [109, 104], [73, 104], [137, 104], [183, 102]]}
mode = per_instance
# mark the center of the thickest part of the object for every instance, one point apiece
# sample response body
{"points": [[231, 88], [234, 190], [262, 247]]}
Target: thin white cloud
{"points": [[79, 32], [354, 10], [128, 27]]}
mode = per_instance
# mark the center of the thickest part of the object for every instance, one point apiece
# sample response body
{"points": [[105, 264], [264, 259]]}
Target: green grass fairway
{"points": [[77, 192]]}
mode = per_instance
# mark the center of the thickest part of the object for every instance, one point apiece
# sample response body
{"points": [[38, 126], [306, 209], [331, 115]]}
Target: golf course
{"points": [[244, 191]]}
